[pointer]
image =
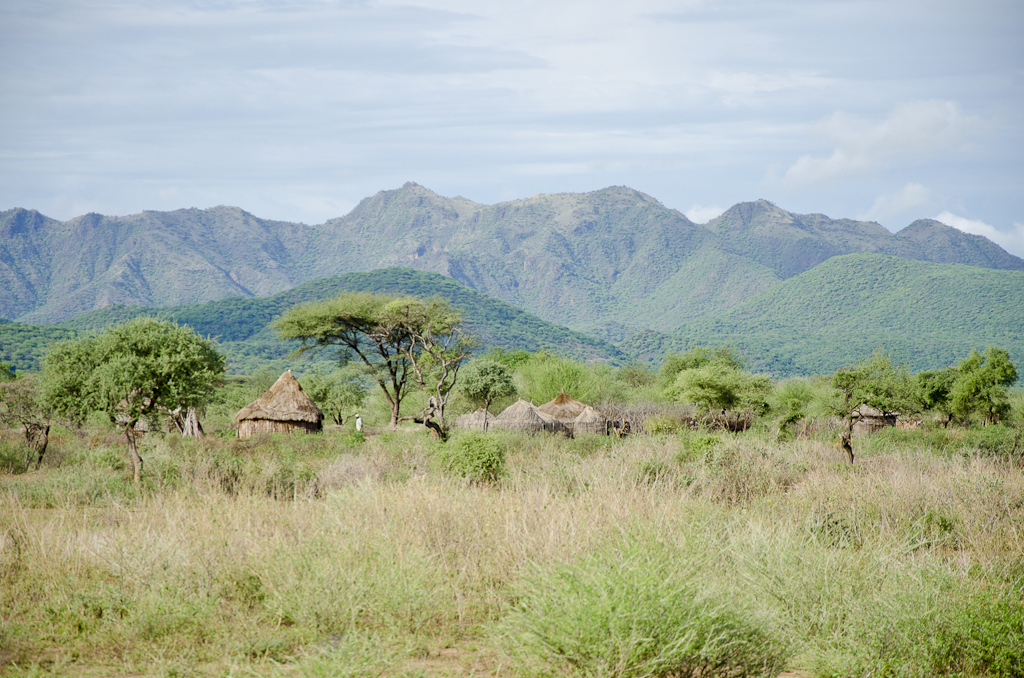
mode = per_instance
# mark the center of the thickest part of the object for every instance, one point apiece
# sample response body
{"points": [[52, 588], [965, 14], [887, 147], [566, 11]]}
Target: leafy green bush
{"points": [[639, 610], [12, 457], [472, 455], [662, 425], [696, 447]]}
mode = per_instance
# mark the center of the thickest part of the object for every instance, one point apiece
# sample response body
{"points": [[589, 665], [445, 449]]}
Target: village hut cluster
{"points": [[284, 408], [564, 415]]}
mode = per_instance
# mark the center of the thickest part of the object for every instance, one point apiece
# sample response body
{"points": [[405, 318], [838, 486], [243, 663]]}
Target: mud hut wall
{"points": [[251, 427]]}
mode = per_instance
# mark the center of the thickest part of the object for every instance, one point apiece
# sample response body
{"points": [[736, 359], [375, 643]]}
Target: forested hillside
{"points": [[927, 315], [611, 262], [241, 324]]}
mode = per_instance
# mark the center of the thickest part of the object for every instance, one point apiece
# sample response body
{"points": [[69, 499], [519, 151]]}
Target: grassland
{"points": [[325, 555]]}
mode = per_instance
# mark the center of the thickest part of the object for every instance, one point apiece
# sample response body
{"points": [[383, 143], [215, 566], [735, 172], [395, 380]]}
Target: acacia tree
{"points": [[21, 404], [403, 340], [130, 372], [484, 379], [338, 391], [981, 385], [935, 389], [875, 382]]}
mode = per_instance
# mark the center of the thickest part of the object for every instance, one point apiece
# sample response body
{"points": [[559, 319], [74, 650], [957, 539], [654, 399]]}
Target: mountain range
{"points": [[614, 263]]}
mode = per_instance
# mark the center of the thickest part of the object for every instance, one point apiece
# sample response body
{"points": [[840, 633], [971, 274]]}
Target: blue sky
{"points": [[884, 110]]}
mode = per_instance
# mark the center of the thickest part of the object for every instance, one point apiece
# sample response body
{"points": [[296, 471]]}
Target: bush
{"points": [[472, 455], [638, 611]]}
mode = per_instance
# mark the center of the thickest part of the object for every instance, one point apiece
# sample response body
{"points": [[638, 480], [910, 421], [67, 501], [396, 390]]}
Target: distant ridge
{"points": [[927, 315], [242, 324], [612, 262]]}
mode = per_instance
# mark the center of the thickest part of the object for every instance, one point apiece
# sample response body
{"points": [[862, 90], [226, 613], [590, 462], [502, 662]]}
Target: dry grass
{"points": [[372, 562]]}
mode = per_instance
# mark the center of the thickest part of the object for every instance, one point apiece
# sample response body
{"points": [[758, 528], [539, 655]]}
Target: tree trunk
{"points": [[129, 432], [42, 440], [846, 441]]}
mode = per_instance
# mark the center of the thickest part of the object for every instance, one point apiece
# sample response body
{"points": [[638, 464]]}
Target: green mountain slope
{"points": [[928, 315], [241, 324], [611, 262]]}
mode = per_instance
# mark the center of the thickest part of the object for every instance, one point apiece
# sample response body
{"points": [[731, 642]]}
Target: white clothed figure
{"points": [[359, 423]]}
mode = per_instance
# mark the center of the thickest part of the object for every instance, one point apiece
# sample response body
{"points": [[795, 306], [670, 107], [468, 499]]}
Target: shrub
{"points": [[472, 455], [662, 425], [638, 611]]}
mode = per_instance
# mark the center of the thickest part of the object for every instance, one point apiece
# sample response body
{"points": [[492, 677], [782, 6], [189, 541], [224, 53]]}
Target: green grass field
{"points": [[683, 554]]}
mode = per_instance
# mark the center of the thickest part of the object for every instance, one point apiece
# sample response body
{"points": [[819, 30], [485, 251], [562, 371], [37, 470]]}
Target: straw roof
{"points": [[284, 401], [523, 416], [590, 421], [564, 408], [473, 421]]}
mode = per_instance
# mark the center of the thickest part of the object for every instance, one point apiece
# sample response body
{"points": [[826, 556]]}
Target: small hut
{"points": [[523, 416], [563, 408], [281, 409], [474, 421], [590, 421], [867, 419]]}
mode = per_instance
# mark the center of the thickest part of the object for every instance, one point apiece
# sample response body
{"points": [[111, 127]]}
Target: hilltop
{"points": [[611, 262]]}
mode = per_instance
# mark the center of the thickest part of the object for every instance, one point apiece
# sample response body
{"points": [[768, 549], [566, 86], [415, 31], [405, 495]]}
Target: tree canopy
{"points": [[131, 371], [982, 383], [484, 379], [403, 340], [876, 382]]}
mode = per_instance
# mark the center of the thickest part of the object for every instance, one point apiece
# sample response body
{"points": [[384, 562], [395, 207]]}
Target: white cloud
{"points": [[902, 201], [912, 130], [1012, 240], [699, 214]]}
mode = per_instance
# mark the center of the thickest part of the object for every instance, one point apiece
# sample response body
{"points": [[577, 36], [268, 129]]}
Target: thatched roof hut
{"points": [[563, 408], [284, 407], [474, 421], [590, 421], [867, 419], [523, 416]]}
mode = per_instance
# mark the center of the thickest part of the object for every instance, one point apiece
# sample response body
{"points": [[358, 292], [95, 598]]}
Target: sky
{"points": [[887, 110]]}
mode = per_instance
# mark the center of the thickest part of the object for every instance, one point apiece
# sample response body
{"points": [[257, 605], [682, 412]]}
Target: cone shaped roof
{"points": [[284, 401], [589, 416], [521, 410], [563, 408]]}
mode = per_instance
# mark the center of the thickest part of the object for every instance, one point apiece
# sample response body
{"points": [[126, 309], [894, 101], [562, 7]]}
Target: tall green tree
{"points": [[403, 340], [875, 382], [982, 385], [132, 371], [22, 404], [936, 388], [338, 391], [484, 379]]}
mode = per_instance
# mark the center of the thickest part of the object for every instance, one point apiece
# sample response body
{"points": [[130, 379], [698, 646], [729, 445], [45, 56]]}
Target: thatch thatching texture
{"points": [[867, 419], [563, 408], [283, 408], [523, 416], [474, 421], [590, 421]]}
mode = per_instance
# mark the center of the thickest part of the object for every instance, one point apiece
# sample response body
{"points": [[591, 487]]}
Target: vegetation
{"points": [[676, 552], [811, 323], [402, 341], [484, 379], [130, 372], [337, 392], [877, 383]]}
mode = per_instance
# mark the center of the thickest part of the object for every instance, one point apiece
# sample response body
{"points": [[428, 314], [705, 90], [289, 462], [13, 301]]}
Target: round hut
{"points": [[590, 421], [523, 416], [867, 419], [282, 409], [473, 421], [564, 408]]}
